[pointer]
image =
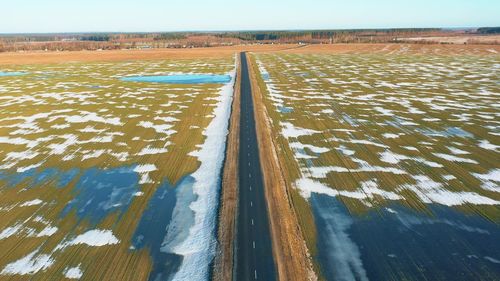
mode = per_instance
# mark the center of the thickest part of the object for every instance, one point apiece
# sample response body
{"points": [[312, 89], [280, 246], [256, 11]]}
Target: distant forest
{"points": [[321, 34], [111, 41], [488, 30]]}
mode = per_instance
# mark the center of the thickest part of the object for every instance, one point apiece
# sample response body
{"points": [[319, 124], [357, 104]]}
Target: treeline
{"points": [[97, 38], [106, 41], [488, 30], [60, 46], [321, 34], [243, 35]]}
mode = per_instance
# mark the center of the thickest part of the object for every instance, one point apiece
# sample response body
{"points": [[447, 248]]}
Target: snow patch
{"points": [[198, 249], [430, 191], [143, 171], [93, 238], [31, 203], [485, 144], [73, 272], [28, 265], [291, 131], [490, 181], [455, 158]]}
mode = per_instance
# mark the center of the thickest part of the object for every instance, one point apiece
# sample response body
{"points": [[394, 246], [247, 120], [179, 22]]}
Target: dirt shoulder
{"points": [[125, 55], [291, 255], [226, 234]]}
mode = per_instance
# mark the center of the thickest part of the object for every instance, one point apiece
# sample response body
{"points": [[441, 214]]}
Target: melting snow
{"points": [[29, 264], [73, 272], [9, 231], [455, 158], [32, 203], [198, 249], [94, 238], [291, 131], [487, 145], [491, 180], [143, 171]]}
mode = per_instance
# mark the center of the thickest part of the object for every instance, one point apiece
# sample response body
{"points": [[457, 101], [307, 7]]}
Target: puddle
{"points": [[100, 192], [284, 109], [35, 177], [181, 79], [351, 121], [164, 224], [14, 73], [403, 244], [265, 76], [448, 132]]}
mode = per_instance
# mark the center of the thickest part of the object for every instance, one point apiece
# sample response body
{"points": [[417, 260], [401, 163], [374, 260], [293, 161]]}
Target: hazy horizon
{"points": [[58, 16]]}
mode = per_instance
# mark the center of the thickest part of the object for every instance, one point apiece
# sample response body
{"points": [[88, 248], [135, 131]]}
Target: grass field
{"points": [[376, 126], [86, 155]]}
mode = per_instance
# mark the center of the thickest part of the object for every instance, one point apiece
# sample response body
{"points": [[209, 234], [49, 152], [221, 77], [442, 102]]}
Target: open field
{"points": [[107, 179], [30, 58], [21, 58], [395, 49], [381, 142], [461, 39], [371, 153]]}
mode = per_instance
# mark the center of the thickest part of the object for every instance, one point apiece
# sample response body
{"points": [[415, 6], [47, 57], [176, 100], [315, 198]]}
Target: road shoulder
{"points": [[226, 233], [292, 258]]}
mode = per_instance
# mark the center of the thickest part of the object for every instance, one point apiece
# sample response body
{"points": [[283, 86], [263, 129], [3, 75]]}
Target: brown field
{"points": [[461, 39], [21, 58], [291, 253], [296, 81], [436, 49]]}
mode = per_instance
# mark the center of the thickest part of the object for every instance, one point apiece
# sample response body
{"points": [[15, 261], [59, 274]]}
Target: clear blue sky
{"points": [[179, 15]]}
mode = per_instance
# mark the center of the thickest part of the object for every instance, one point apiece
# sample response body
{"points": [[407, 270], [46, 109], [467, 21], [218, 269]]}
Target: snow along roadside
{"points": [[198, 249]]}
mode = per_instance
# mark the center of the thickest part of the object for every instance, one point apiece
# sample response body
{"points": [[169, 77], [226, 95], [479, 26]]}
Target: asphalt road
{"points": [[253, 251]]}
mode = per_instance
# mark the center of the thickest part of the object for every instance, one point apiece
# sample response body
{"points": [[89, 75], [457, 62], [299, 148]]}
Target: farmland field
{"points": [[106, 179], [393, 159]]}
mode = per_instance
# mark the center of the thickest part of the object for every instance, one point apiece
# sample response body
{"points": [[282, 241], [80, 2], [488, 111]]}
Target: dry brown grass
{"points": [[442, 49], [218, 52], [223, 265], [289, 249], [123, 55], [459, 39]]}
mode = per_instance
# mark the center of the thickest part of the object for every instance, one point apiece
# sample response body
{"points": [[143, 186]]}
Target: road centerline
{"points": [[253, 222]]}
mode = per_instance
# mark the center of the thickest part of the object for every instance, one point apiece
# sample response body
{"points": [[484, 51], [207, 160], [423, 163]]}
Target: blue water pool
{"points": [[398, 243], [6, 74], [181, 79], [284, 109]]}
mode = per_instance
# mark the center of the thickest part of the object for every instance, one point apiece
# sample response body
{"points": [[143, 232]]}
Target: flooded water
{"points": [[164, 224], [100, 192], [13, 73], [34, 177], [284, 109], [265, 76], [181, 79], [396, 243]]}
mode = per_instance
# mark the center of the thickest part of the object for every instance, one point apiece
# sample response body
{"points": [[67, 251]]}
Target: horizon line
{"points": [[239, 30]]}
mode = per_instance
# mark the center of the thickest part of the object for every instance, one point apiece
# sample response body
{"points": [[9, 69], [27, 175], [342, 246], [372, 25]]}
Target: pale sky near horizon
{"points": [[34, 16]]}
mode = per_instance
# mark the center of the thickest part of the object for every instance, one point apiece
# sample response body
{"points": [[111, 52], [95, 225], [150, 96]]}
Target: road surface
{"points": [[253, 246]]}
